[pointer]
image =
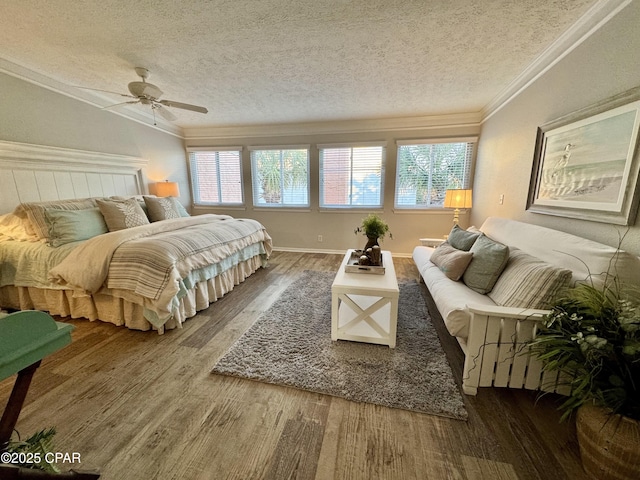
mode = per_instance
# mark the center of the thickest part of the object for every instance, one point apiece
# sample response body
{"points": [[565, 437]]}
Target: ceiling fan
{"points": [[148, 94]]}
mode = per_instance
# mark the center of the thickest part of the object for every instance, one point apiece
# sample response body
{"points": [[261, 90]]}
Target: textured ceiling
{"points": [[280, 61]]}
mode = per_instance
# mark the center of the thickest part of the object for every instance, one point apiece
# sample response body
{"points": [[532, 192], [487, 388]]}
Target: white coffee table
{"points": [[364, 306]]}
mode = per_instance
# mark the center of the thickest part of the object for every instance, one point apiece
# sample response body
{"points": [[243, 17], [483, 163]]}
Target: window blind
{"points": [[351, 176], [426, 169], [280, 177], [216, 176]]}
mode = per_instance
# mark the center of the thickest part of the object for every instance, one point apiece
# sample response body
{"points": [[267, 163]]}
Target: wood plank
{"points": [[143, 405]]}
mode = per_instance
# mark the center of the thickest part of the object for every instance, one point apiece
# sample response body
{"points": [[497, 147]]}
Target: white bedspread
{"points": [[152, 260]]}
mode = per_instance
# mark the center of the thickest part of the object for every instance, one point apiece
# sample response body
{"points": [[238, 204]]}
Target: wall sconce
{"points": [[167, 189], [457, 199]]}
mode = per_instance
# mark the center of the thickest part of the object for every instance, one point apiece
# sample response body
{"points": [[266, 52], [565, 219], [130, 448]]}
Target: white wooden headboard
{"points": [[35, 173]]}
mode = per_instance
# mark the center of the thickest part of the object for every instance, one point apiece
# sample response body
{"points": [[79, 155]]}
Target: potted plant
{"points": [[374, 228], [592, 334]]}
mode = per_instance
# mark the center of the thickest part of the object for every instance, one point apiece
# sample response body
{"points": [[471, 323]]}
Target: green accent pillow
{"points": [[66, 226], [488, 262], [462, 239]]}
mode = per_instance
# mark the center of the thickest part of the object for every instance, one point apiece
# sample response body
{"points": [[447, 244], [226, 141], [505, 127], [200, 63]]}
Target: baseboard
{"points": [[327, 251]]}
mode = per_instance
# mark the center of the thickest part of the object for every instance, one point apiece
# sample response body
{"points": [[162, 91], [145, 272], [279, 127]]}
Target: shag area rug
{"points": [[290, 344]]}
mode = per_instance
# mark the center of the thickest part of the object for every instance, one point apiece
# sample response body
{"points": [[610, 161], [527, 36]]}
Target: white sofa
{"points": [[493, 337]]}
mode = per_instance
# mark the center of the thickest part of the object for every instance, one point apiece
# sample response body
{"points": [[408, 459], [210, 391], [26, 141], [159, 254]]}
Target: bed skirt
{"points": [[124, 308]]}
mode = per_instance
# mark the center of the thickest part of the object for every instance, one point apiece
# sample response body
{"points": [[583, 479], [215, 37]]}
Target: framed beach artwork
{"points": [[586, 164]]}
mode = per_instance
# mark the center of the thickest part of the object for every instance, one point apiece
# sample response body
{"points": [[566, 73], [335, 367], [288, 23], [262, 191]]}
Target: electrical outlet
{"points": [[501, 199], [320, 238]]}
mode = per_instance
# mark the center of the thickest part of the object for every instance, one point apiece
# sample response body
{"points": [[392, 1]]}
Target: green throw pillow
{"points": [[462, 239], [489, 260], [66, 226]]}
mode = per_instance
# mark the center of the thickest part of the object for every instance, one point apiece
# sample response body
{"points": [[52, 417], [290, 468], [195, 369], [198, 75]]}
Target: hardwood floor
{"points": [[139, 406]]}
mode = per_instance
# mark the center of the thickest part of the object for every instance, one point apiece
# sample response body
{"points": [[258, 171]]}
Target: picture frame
{"points": [[586, 164]]}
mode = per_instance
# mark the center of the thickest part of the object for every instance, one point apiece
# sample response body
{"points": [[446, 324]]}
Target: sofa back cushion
{"points": [[583, 257], [451, 261], [489, 259], [528, 282]]}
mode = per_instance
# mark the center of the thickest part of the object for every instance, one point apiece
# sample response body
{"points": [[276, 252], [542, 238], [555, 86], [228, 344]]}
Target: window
{"points": [[351, 176], [216, 176], [426, 169], [280, 176]]}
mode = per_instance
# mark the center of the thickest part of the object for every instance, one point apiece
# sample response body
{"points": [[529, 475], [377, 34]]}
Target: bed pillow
{"points": [[162, 208], [462, 239], [489, 260], [35, 213], [66, 226], [121, 214], [451, 261], [12, 227], [528, 282]]}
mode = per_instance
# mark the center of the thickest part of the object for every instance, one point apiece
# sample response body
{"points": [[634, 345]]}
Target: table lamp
{"points": [[167, 189], [457, 199]]}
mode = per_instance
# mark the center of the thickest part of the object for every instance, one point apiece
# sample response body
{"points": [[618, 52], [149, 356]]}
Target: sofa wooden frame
{"points": [[497, 352]]}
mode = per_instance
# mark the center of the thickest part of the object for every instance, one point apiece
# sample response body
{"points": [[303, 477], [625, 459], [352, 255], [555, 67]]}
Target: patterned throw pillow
{"points": [[528, 282], [121, 214], [161, 208]]}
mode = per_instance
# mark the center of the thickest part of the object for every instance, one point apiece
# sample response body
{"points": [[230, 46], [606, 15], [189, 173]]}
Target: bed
{"points": [[121, 257]]}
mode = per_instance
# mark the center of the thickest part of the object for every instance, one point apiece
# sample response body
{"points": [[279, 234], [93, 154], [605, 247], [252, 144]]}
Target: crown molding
{"points": [[598, 15], [92, 98], [334, 127], [29, 156]]}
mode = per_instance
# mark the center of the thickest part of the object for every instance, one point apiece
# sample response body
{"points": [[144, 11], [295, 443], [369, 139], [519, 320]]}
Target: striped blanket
{"points": [[152, 260]]}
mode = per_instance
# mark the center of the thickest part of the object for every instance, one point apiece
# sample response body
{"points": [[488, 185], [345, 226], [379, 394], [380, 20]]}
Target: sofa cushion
{"points": [[462, 239], [588, 260], [528, 282], [451, 298], [488, 262], [451, 261]]}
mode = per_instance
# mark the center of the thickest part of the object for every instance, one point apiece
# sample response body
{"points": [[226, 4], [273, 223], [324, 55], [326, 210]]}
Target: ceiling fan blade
{"points": [[184, 106], [107, 91], [164, 113], [118, 104]]}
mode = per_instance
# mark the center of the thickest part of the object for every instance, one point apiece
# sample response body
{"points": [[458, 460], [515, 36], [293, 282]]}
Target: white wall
{"points": [[604, 65], [35, 115]]}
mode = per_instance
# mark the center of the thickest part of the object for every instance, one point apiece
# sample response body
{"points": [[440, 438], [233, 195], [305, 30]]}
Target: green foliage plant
{"points": [[37, 446], [592, 335], [373, 227]]}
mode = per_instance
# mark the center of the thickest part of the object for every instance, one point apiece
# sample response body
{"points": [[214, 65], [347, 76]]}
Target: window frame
{"points": [[351, 145], [193, 174], [254, 177], [466, 184]]}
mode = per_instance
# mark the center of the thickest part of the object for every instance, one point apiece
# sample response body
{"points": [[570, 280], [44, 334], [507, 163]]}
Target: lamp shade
{"points": [[458, 198], [167, 189]]}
